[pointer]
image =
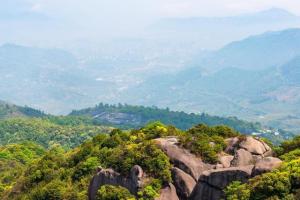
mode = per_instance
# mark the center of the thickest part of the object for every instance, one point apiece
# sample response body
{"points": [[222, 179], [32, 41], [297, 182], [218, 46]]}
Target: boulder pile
{"points": [[193, 179]]}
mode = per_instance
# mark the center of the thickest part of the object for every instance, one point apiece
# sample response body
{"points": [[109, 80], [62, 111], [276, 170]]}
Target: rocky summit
{"points": [[192, 178]]}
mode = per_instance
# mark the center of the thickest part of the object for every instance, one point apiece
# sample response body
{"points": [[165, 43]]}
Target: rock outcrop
{"points": [[110, 177], [211, 183], [182, 158], [249, 157], [225, 161], [266, 164], [242, 158], [183, 182], [231, 144], [255, 146], [193, 179], [168, 193]]}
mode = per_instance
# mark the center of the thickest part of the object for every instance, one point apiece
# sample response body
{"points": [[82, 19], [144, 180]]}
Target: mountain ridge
{"points": [[8, 110]]}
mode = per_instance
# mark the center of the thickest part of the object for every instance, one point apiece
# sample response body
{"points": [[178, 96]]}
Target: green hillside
{"points": [[14, 159], [128, 116], [9, 110], [46, 133]]}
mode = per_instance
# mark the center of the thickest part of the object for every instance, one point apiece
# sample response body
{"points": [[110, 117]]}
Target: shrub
{"points": [[109, 192], [237, 191]]}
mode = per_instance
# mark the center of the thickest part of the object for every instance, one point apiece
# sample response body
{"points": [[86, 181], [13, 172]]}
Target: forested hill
{"points": [[128, 116], [9, 110]]}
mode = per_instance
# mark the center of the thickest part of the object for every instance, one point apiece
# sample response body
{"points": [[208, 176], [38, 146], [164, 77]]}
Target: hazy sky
{"points": [[79, 18], [143, 8]]}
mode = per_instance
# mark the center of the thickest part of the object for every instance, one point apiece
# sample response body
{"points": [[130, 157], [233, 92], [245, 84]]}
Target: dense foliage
{"points": [[207, 141], [46, 133], [282, 183], [66, 175], [108, 192], [14, 158]]}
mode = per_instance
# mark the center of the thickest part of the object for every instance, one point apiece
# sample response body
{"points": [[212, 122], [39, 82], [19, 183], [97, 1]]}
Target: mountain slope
{"points": [[291, 71], [9, 110], [214, 32], [256, 79], [256, 52]]}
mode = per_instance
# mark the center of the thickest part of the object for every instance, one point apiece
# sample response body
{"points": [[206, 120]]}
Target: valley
{"points": [[241, 79]]}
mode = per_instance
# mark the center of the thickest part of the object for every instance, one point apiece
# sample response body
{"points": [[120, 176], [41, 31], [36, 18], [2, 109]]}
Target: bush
{"points": [[55, 190], [206, 141], [237, 191], [84, 168], [291, 145], [151, 191], [109, 192]]}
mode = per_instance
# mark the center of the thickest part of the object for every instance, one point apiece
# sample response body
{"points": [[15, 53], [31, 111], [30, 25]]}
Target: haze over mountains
{"points": [[214, 32], [256, 78]]}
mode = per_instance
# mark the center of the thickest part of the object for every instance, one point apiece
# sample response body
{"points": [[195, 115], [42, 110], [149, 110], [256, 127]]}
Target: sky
{"points": [[70, 19], [144, 8]]}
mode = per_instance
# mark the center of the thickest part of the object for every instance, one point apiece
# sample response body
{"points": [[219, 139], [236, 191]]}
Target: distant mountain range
{"points": [[270, 49], [213, 32], [255, 79]]}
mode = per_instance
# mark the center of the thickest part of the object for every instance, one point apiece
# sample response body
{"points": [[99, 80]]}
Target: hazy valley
{"points": [[241, 79]]}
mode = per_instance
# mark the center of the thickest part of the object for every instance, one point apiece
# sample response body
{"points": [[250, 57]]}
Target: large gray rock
{"points": [[242, 158], [255, 146], [204, 191], [220, 178], [168, 193], [183, 182], [182, 158], [211, 184], [266, 164], [109, 177]]}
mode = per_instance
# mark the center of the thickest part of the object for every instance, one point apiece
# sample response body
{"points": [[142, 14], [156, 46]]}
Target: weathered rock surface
{"points": [[226, 160], [211, 183], [205, 191], [255, 146], [266, 164], [182, 158], [220, 178], [242, 158], [183, 182], [168, 193], [193, 179], [268, 153], [110, 177], [231, 143]]}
